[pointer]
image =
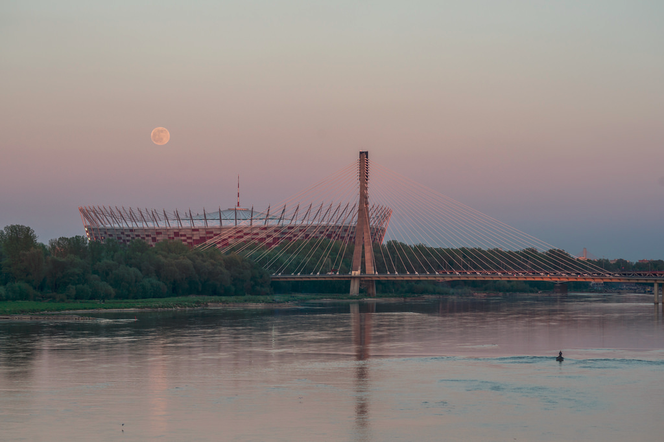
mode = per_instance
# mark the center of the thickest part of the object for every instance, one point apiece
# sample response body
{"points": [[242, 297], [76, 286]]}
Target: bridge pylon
{"points": [[363, 235]]}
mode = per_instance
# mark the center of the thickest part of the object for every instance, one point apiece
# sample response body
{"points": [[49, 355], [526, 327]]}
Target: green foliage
{"points": [[16, 307], [19, 291], [323, 256], [63, 246], [14, 241], [73, 269], [621, 265], [31, 266]]}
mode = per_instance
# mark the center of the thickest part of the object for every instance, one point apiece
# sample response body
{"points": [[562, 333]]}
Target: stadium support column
{"points": [[363, 234]]}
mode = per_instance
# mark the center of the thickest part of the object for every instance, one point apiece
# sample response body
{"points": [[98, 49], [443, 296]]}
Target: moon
{"points": [[160, 136]]}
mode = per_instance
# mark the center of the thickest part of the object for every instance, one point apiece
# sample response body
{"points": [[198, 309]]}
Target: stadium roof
{"points": [[230, 215]]}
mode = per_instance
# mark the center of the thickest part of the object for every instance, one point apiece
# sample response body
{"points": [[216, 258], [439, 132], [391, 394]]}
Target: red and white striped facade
{"points": [[225, 227]]}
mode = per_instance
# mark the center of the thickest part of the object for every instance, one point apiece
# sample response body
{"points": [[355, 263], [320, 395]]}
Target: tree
{"points": [[63, 246], [15, 239], [32, 266], [72, 268]]}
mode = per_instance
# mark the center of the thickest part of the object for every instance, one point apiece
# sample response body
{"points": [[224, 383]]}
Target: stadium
{"points": [[223, 228]]}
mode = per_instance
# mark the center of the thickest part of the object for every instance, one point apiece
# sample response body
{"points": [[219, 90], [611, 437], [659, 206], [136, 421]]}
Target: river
{"points": [[478, 369]]}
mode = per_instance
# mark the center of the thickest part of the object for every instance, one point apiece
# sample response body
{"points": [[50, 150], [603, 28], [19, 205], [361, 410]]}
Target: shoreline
{"points": [[59, 309], [14, 309], [18, 308]]}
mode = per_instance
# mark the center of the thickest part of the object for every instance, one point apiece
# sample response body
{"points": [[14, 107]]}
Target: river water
{"points": [[421, 370]]}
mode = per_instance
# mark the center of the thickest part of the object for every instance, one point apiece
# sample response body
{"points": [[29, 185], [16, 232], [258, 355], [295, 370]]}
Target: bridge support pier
{"points": [[369, 284], [655, 291], [371, 287], [355, 286]]}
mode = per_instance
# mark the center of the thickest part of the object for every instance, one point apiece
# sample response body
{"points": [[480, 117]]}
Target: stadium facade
{"points": [[230, 226]]}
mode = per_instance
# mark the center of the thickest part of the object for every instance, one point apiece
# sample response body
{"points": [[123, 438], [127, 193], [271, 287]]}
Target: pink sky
{"points": [[548, 116]]}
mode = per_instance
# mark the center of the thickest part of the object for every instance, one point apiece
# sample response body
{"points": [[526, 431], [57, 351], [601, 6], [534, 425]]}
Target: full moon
{"points": [[160, 136]]}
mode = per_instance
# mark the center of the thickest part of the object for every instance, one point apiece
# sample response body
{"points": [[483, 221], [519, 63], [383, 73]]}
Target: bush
{"points": [[82, 291], [19, 291]]}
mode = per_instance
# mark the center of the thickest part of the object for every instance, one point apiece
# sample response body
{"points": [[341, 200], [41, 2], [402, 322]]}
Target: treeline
{"points": [[621, 265], [324, 255], [73, 268], [423, 287]]}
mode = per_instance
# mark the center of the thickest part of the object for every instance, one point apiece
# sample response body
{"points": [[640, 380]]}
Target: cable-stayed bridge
{"points": [[350, 228]]}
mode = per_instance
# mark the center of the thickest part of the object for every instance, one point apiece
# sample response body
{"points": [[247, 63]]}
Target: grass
{"points": [[24, 307], [17, 307]]}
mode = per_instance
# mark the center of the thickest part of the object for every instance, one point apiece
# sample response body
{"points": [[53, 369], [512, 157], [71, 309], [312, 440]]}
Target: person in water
{"points": [[560, 354]]}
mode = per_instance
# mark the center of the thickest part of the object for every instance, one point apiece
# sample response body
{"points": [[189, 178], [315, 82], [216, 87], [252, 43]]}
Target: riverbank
{"points": [[42, 317], [191, 302], [180, 302]]}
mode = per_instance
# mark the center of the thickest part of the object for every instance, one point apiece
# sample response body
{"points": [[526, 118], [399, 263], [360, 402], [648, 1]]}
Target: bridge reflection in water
{"points": [[361, 317]]}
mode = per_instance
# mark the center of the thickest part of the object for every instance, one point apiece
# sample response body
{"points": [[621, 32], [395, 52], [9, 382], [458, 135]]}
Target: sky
{"points": [[548, 116]]}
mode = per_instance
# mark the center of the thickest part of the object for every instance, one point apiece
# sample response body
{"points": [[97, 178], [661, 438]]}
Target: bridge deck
{"points": [[645, 277]]}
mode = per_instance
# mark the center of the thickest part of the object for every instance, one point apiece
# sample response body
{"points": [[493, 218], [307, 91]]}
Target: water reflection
{"points": [[18, 350], [361, 317], [337, 371], [157, 387]]}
